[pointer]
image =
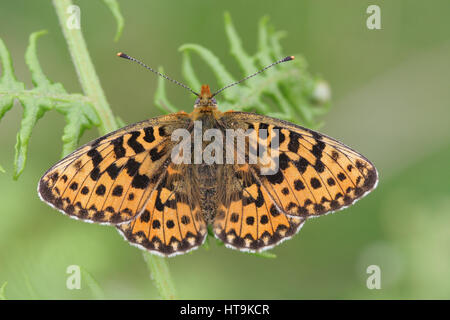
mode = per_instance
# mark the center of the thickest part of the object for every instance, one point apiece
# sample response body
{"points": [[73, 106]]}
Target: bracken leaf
{"points": [[265, 254], [223, 76], [160, 98], [97, 291], [33, 294], [2, 291], [44, 96], [188, 72], [113, 5]]}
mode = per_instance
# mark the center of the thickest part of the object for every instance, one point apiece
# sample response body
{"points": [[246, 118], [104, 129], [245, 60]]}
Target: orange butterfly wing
{"points": [[317, 174], [110, 179], [247, 218], [171, 222]]}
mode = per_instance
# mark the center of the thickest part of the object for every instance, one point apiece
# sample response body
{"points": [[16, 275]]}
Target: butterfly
{"points": [[129, 179]]}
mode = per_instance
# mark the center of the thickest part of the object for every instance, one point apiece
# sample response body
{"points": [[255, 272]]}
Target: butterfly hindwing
{"points": [[247, 218], [110, 179], [316, 175], [171, 222]]}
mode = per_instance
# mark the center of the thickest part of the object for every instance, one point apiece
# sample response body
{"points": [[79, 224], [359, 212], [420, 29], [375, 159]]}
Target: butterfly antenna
{"points": [[289, 58], [125, 56]]}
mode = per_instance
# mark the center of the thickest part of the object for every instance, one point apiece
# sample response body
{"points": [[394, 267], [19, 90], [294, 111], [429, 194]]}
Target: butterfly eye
{"points": [[211, 101]]}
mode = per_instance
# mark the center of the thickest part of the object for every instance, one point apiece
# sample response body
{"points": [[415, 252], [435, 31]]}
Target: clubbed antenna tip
{"points": [[288, 58]]}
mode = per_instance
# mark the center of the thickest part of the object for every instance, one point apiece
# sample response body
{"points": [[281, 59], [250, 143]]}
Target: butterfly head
{"points": [[205, 98]]}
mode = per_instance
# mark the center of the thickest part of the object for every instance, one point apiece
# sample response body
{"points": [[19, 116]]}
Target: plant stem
{"points": [[90, 83], [160, 274], [83, 65]]}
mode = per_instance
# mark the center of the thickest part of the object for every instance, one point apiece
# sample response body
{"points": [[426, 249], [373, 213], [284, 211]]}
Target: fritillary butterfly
{"points": [[127, 179]]}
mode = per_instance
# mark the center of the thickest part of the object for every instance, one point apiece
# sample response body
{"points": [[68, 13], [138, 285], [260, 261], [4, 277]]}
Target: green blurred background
{"points": [[391, 101]]}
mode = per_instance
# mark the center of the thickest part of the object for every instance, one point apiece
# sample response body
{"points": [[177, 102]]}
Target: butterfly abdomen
{"points": [[207, 182]]}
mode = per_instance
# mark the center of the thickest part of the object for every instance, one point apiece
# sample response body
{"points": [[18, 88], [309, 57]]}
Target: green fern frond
{"points": [[44, 96], [31, 290], [265, 254], [94, 286], [286, 91], [113, 5], [161, 100], [2, 291]]}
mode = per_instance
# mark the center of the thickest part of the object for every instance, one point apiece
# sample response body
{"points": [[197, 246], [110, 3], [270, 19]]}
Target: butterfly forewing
{"points": [[110, 179]]}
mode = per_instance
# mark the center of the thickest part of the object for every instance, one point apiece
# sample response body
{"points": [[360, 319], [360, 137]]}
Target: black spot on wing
{"points": [[132, 167], [319, 166], [293, 141], [158, 203], [316, 135], [140, 181], [264, 219], [96, 157], [276, 178], [162, 131], [155, 155], [101, 189], [134, 144], [113, 171], [315, 183], [331, 182], [317, 149], [119, 150], [370, 179], [185, 220], [301, 164], [149, 135], [117, 191], [145, 216], [283, 161], [259, 201], [156, 224], [263, 126], [95, 174], [298, 185], [170, 224]]}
